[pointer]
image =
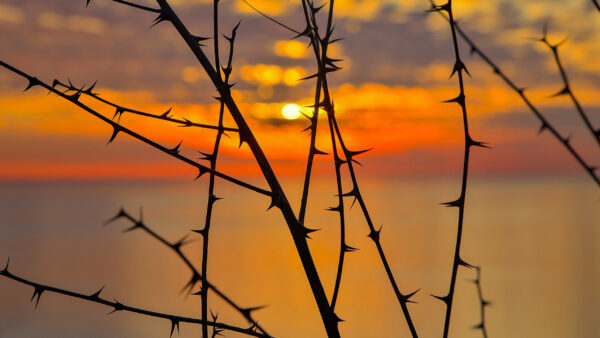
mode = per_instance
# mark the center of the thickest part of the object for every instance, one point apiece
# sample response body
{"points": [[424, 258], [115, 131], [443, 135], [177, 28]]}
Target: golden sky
{"points": [[397, 60]]}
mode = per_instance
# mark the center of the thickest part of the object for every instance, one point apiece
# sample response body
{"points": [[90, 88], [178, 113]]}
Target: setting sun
{"points": [[291, 111]]}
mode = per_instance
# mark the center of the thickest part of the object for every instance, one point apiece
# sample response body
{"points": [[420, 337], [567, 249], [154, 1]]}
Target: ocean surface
{"points": [[536, 239]]}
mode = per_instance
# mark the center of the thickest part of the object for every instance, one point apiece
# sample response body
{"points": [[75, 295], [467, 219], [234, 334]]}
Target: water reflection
{"points": [[536, 241]]}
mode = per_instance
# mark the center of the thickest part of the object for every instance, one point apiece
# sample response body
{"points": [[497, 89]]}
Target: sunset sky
{"points": [[397, 60]]}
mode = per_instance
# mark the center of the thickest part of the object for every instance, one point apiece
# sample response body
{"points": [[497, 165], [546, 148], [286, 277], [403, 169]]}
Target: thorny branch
{"points": [[120, 110], [298, 231], [139, 224], [117, 128], [459, 69], [482, 303], [39, 289], [567, 86], [545, 124]]}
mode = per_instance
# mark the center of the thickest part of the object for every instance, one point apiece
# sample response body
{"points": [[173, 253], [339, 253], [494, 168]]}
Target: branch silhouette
{"points": [[482, 303], [278, 198], [458, 69], [567, 86], [545, 124], [327, 65], [117, 128], [120, 110], [139, 224], [175, 320]]}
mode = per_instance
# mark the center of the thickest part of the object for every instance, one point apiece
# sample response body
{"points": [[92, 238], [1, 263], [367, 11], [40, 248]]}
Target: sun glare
{"points": [[291, 111]]}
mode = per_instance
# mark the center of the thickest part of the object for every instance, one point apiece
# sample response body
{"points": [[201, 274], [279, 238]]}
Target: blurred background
{"points": [[532, 213]]}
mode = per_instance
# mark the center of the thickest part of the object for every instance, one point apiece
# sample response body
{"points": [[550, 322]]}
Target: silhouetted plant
{"points": [[341, 156], [566, 90], [458, 69]]}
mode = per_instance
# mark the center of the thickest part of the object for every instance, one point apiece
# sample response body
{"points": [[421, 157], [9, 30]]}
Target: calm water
{"points": [[536, 239]]}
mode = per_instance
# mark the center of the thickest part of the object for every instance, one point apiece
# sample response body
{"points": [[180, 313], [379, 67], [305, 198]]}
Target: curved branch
{"points": [[117, 128], [39, 289]]}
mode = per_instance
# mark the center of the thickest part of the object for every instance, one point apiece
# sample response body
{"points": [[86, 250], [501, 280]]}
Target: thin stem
{"points": [[545, 124], [196, 275], [117, 128], [482, 303], [567, 88], [120, 110], [459, 68], [298, 231], [39, 289]]}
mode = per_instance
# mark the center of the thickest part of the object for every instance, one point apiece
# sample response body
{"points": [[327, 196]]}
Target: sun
{"points": [[291, 111]]}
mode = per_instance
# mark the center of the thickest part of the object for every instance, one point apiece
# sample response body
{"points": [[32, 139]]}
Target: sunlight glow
{"points": [[291, 111]]}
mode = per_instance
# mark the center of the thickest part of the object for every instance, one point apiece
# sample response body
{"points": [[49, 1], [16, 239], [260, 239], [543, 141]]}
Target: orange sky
{"points": [[393, 107]]}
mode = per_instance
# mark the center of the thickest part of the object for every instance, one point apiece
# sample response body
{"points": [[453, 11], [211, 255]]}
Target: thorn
{"points": [[5, 270], [33, 81], [121, 213], [458, 67], [199, 39], [478, 326], [460, 261], [485, 303], [116, 307], [444, 7], [135, 225], [37, 292], [202, 231], [116, 130], [460, 99], [353, 192], [188, 123], [349, 154], [87, 3], [90, 88], [97, 293], [177, 245], [175, 150], [337, 208], [445, 299], [55, 83], [337, 318], [543, 127], [318, 152], [566, 90], [456, 203], [160, 18], [473, 143], [165, 115], [406, 298], [348, 248], [275, 201], [213, 198], [308, 231], [118, 112], [190, 285], [247, 312], [201, 171], [174, 322], [375, 234], [317, 9]]}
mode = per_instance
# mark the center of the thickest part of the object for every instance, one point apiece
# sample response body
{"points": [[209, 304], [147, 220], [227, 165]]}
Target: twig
{"points": [[117, 128], [278, 198], [566, 85], [459, 68], [138, 224], [546, 125], [39, 289], [313, 35], [120, 110], [482, 303]]}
